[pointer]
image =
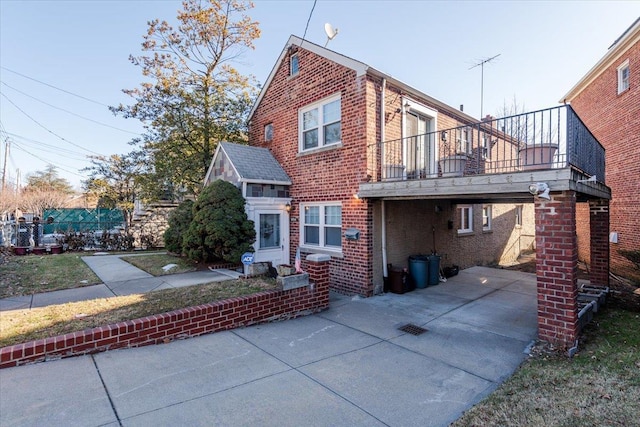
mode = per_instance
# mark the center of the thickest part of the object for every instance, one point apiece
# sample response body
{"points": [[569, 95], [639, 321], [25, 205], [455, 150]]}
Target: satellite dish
{"points": [[331, 33]]}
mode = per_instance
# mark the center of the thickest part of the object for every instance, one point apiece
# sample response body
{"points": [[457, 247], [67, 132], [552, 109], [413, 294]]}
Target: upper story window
{"points": [[464, 141], [465, 214], [320, 124], [321, 225], [268, 132], [623, 76], [294, 64], [485, 149]]}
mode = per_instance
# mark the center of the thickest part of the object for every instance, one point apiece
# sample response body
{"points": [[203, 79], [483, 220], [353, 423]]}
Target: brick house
{"points": [[381, 171], [607, 99]]}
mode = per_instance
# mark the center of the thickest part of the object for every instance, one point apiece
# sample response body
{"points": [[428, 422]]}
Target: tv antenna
{"points": [[331, 33], [481, 65]]}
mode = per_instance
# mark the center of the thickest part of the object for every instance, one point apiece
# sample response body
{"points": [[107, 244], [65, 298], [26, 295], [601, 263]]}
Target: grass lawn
{"points": [[153, 263], [26, 275], [600, 386], [18, 326], [29, 274]]}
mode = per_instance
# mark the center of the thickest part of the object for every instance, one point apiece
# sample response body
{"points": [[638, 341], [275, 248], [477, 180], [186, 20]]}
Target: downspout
{"points": [[383, 229]]}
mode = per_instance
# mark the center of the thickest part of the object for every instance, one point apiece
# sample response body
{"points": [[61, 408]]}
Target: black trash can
{"points": [[434, 270], [397, 280]]}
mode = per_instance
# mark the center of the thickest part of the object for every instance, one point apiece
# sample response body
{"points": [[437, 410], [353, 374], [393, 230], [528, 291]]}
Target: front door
{"points": [[272, 236]]}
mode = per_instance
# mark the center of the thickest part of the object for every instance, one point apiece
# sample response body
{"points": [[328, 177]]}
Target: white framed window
{"points": [[465, 215], [623, 76], [485, 147], [321, 225], [464, 141], [268, 132], [294, 64], [487, 213], [320, 124], [518, 215]]}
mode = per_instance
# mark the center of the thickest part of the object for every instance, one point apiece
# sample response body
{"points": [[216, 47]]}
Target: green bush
{"points": [[220, 229], [179, 221]]}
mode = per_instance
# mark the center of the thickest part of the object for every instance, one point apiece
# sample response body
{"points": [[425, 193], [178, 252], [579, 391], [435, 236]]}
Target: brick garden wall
{"points": [[184, 323], [614, 119]]}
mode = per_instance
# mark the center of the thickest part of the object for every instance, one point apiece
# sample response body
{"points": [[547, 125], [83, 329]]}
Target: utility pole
{"points": [[481, 65], [7, 144]]}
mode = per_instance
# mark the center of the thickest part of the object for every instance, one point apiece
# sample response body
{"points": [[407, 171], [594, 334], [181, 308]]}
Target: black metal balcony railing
{"points": [[545, 139]]}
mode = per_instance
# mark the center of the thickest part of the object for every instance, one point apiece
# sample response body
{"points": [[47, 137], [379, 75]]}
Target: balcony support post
{"points": [[556, 269]]}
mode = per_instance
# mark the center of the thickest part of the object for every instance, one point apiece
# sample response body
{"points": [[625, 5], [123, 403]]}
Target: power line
{"points": [[51, 148], [55, 87], [48, 130], [308, 20], [69, 112], [48, 161]]}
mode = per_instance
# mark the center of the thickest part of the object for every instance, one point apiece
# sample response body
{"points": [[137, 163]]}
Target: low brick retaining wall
{"points": [[188, 322]]}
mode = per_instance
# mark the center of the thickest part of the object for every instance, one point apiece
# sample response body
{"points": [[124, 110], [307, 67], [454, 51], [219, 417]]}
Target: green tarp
{"points": [[62, 220]]}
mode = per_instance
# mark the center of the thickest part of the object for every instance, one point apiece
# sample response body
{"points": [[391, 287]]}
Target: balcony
{"points": [[490, 158]]}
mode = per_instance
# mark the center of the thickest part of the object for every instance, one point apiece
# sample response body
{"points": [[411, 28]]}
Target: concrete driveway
{"points": [[347, 366]]}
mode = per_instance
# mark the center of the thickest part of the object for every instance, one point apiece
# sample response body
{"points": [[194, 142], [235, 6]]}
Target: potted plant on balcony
{"points": [[537, 156]]}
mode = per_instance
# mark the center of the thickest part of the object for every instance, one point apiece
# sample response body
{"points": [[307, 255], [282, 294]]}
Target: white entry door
{"points": [[272, 236]]}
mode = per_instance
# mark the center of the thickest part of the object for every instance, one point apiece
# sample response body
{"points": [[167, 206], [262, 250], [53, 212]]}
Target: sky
{"points": [[64, 62]]}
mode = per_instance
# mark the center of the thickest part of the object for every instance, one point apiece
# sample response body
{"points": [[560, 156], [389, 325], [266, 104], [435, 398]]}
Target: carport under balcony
{"points": [[513, 160]]}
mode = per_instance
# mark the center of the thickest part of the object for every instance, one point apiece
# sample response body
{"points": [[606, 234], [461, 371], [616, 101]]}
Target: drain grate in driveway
{"points": [[412, 329]]}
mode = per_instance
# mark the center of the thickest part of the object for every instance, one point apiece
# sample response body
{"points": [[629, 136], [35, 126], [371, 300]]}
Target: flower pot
{"points": [[39, 250], [393, 173], [55, 249], [285, 270], [21, 250], [537, 156], [453, 165]]}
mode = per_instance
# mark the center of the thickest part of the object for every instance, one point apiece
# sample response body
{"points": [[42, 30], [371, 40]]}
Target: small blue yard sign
{"points": [[247, 258]]}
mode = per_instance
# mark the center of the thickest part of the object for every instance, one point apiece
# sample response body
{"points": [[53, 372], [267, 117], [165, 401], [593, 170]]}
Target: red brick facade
{"points": [[188, 322], [556, 269], [614, 119], [334, 173]]}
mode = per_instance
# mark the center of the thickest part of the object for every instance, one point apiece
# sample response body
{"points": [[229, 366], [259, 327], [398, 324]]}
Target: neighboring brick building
{"points": [[607, 99]]}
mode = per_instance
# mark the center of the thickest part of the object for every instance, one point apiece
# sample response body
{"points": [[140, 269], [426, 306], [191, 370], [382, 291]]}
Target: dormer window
{"points": [[294, 64]]}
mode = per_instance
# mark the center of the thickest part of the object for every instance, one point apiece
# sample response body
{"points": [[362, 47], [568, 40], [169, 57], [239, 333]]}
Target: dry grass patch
{"points": [[26, 275], [153, 263], [19, 326], [599, 386]]}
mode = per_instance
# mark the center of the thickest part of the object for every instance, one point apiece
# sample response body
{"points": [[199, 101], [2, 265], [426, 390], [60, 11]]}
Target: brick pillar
{"points": [[599, 226], [557, 268], [317, 265]]}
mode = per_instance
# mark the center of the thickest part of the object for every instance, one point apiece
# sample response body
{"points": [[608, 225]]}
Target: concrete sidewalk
{"points": [[347, 366], [119, 278]]}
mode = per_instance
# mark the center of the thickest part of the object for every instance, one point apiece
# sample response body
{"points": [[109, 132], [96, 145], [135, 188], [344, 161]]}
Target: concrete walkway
{"points": [[119, 278], [347, 366]]}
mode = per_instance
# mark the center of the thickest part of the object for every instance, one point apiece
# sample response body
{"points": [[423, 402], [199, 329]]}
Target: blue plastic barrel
{"points": [[434, 270], [419, 270]]}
